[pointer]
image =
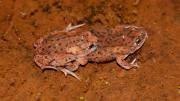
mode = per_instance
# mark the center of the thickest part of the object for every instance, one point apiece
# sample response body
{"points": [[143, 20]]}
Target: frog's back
{"points": [[110, 37], [112, 41], [58, 42]]}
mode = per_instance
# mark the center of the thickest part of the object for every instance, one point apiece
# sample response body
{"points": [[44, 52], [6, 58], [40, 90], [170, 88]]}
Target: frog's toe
{"points": [[133, 63], [126, 65], [66, 72]]}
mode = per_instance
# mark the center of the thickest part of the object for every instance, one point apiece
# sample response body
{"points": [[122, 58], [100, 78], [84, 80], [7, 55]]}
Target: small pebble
{"points": [[81, 98], [106, 82]]}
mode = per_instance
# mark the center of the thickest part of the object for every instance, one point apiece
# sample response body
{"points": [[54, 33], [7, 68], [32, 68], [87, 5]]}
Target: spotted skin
{"points": [[117, 43]]}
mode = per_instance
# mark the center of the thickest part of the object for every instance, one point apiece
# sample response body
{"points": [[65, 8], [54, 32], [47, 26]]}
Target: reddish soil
{"points": [[22, 22]]}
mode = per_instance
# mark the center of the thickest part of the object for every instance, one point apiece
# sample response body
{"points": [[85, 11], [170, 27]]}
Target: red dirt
{"points": [[24, 21]]}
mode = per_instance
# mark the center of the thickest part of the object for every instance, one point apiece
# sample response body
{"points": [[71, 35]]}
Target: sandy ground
{"points": [[22, 22]]}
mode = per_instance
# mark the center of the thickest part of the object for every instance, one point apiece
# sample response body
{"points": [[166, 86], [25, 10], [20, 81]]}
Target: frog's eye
{"points": [[138, 41]]}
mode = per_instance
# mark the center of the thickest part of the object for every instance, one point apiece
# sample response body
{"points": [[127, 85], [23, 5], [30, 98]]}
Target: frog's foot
{"points": [[70, 27], [120, 60], [66, 72]]}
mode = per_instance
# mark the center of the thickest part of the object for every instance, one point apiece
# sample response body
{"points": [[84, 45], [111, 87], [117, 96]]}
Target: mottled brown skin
{"points": [[58, 42], [64, 50], [117, 43]]}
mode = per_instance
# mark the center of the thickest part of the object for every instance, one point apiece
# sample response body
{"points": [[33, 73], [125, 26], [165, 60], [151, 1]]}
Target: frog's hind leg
{"points": [[120, 60], [66, 72], [70, 27]]}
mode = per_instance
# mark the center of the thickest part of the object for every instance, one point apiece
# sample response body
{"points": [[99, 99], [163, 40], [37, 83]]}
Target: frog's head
{"points": [[137, 35]]}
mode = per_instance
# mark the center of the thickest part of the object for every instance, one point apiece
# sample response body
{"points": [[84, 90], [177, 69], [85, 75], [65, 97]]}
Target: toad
{"points": [[64, 50], [117, 43]]}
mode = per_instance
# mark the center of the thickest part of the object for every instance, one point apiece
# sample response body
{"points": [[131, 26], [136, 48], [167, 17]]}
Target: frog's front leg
{"points": [[72, 66], [121, 61], [82, 61], [75, 64]]}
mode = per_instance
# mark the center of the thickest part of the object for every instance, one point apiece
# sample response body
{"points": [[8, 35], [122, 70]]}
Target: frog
{"points": [[64, 50], [117, 43]]}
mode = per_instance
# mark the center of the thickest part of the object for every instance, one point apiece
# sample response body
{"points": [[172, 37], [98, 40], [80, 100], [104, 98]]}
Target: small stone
{"points": [[81, 98], [106, 82]]}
